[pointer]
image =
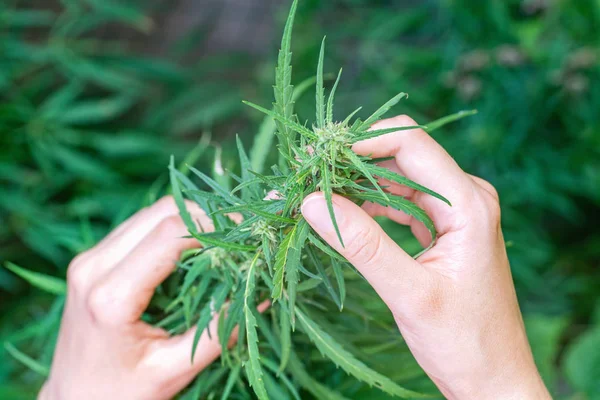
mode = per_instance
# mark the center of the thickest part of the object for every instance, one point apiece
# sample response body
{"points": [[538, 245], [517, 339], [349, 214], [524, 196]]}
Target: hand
{"points": [[104, 351], [455, 305]]}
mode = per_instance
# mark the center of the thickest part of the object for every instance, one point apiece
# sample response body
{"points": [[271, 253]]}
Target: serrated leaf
{"points": [[341, 357], [255, 208], [328, 193], [362, 167], [288, 123], [252, 366], [323, 276], [220, 190], [263, 140], [248, 192], [339, 277], [206, 238], [284, 104], [402, 180], [44, 282], [349, 117], [381, 111], [178, 196], [320, 96], [380, 132], [293, 265], [218, 297], [401, 204], [285, 337], [234, 314], [329, 118], [231, 379], [432, 126]]}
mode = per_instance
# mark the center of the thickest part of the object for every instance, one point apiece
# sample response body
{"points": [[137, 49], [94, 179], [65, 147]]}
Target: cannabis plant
{"points": [[273, 253]]}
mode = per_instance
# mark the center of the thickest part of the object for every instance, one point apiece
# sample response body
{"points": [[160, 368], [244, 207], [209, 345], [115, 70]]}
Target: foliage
{"points": [[273, 251], [530, 68]]}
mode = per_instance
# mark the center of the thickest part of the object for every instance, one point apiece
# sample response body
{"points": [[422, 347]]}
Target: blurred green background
{"points": [[95, 95]]}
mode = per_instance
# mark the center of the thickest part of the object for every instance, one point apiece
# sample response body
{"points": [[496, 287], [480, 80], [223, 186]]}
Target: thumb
{"points": [[389, 269]]}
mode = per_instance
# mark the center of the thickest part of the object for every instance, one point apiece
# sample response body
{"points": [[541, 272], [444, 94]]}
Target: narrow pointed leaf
{"points": [[328, 193], [320, 118], [432, 126], [252, 366], [344, 359], [381, 111], [402, 180], [44, 282], [294, 126], [380, 132], [329, 118]]}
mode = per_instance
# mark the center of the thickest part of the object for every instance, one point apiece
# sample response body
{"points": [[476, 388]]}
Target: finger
{"points": [[378, 258], [129, 234], [173, 355], [423, 160], [131, 283]]}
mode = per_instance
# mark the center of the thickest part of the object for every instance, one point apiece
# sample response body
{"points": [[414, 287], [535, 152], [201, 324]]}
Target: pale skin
{"points": [[455, 305]]}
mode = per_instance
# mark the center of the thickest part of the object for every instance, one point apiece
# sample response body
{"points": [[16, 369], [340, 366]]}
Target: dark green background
{"points": [[95, 95]]}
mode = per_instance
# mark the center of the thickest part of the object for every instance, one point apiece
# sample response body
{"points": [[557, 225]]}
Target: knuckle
{"points": [[490, 189], [77, 273], [100, 301], [405, 120], [365, 246], [170, 226]]}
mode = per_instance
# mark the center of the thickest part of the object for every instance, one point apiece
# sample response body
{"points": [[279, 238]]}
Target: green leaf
{"points": [[381, 111], [339, 277], [217, 299], [323, 275], [224, 193], [248, 192], [293, 265], [95, 111], [349, 117], [362, 167], [211, 240], [432, 126], [252, 366], [255, 208], [44, 282], [320, 121], [380, 132], [284, 104], [231, 379], [401, 204], [281, 262], [24, 359], [285, 337], [328, 193], [288, 123], [582, 363], [177, 195], [263, 140], [336, 353], [329, 118], [402, 180]]}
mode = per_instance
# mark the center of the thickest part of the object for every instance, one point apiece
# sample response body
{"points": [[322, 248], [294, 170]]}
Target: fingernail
{"points": [[315, 211]]}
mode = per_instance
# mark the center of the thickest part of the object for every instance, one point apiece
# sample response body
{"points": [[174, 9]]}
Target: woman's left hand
{"points": [[104, 350]]}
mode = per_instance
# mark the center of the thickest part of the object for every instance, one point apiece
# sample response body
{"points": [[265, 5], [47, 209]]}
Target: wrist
{"points": [[524, 385]]}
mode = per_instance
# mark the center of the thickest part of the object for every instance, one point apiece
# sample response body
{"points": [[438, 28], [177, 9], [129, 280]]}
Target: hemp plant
{"points": [[271, 251]]}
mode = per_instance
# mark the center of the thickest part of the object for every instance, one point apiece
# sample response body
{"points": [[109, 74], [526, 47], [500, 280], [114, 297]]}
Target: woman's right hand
{"points": [[455, 305]]}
